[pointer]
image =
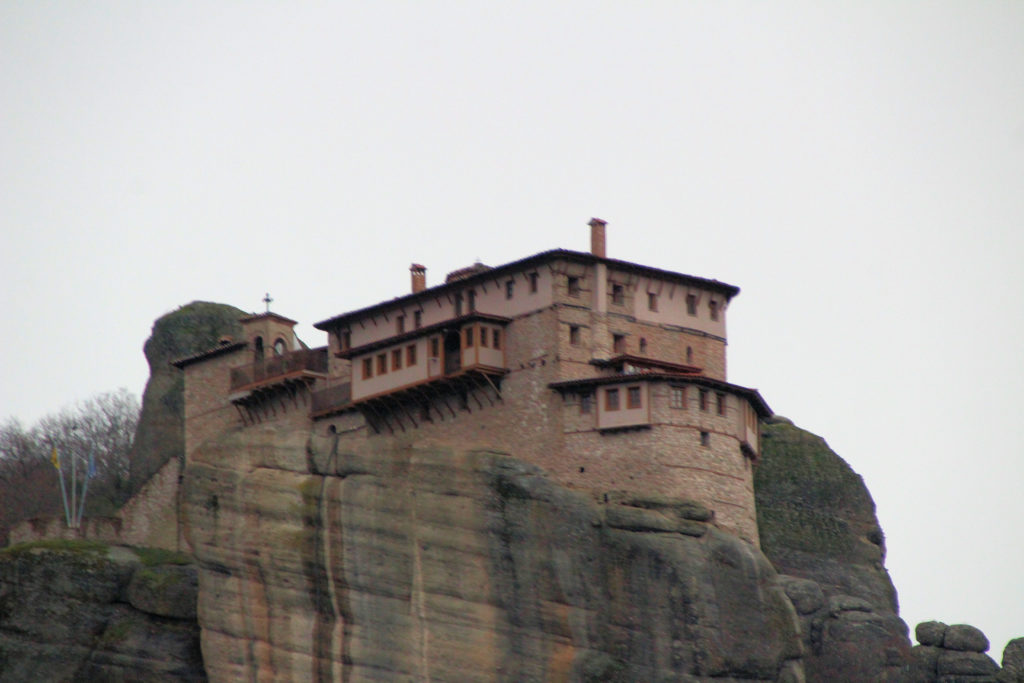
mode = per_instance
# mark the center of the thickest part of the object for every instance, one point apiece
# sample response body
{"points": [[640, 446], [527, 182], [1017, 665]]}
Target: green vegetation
{"points": [[152, 557], [79, 547]]}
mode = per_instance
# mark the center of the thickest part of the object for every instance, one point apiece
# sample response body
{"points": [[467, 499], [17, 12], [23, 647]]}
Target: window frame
{"points": [[410, 355], [634, 397], [618, 294], [396, 359], [611, 399], [677, 397]]}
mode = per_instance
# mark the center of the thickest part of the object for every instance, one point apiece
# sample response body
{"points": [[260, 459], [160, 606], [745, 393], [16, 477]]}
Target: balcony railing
{"points": [[332, 398], [268, 370]]}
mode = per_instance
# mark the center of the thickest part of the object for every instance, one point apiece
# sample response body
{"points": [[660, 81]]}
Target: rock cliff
{"points": [[193, 328], [84, 611], [465, 566], [818, 528]]}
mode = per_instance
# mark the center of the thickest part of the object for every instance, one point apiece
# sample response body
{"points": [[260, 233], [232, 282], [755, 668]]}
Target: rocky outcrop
{"points": [[84, 611], [818, 528], [465, 566], [952, 654], [191, 329], [1013, 662]]}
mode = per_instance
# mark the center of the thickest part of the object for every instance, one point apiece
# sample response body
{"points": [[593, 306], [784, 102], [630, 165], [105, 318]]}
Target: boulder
{"points": [[1013, 662], [963, 663], [930, 633], [965, 638], [805, 594]]}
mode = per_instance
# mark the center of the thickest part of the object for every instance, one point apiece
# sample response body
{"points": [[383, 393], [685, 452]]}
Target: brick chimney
{"points": [[597, 246], [419, 277]]}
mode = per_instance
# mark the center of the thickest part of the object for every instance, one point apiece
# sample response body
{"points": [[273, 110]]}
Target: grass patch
{"points": [[76, 546], [151, 557]]}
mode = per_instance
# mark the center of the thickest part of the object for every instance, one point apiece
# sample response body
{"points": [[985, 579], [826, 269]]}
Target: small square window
{"points": [[574, 335], [652, 301], [633, 398], [721, 404], [705, 439], [345, 339], [703, 399], [611, 399], [435, 347], [713, 309], [396, 359], [677, 397], [382, 363], [496, 338], [643, 344], [410, 355], [367, 368], [510, 289], [469, 335], [417, 319], [400, 324], [533, 282], [691, 304], [574, 286], [618, 294], [458, 304], [586, 404], [619, 343], [483, 337]]}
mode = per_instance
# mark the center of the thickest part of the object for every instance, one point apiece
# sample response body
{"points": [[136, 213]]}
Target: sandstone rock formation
{"points": [[952, 654], [818, 528], [465, 566], [83, 611], [193, 328]]}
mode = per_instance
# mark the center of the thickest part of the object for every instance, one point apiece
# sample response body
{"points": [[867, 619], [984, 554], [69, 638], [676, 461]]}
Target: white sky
{"points": [[855, 167]]}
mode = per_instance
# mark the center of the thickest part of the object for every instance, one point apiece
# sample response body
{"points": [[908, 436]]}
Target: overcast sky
{"points": [[855, 167]]}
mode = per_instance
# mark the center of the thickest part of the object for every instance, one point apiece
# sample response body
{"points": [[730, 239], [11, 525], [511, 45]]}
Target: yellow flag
{"points": [[53, 458]]}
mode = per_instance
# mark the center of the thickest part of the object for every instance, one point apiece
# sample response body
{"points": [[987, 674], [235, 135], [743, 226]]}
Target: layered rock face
{"points": [[83, 611], [191, 329], [818, 528], [464, 566]]}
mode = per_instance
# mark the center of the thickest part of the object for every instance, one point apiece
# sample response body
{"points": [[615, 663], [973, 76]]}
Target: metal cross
{"points": [[267, 300]]}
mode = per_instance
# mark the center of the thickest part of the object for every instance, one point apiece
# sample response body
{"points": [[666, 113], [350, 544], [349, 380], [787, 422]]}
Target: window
{"points": [[677, 398], [410, 355], [586, 403], [367, 368], [689, 354], [643, 344], [345, 339], [435, 347], [721, 404], [472, 300], [533, 283], [396, 359], [382, 363], [280, 347], [417, 319], [574, 335], [510, 289], [691, 304], [633, 399], [483, 336], [705, 439], [618, 294], [469, 335], [713, 309], [458, 304], [574, 286], [496, 338], [703, 399], [400, 324], [619, 343], [652, 301], [611, 399]]}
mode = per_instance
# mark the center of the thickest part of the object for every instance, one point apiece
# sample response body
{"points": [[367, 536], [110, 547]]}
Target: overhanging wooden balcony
{"points": [[295, 367]]}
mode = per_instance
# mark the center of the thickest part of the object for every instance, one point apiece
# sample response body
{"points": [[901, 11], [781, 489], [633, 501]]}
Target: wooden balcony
{"points": [[305, 364]]}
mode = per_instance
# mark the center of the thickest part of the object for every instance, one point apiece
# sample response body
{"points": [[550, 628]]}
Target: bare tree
{"points": [[98, 430]]}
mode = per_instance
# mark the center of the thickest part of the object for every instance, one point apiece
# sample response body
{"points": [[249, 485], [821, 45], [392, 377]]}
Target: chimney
{"points": [[597, 247], [419, 277]]}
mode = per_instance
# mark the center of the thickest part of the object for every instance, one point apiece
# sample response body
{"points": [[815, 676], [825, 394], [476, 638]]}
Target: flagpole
{"points": [[85, 488], [63, 491]]}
